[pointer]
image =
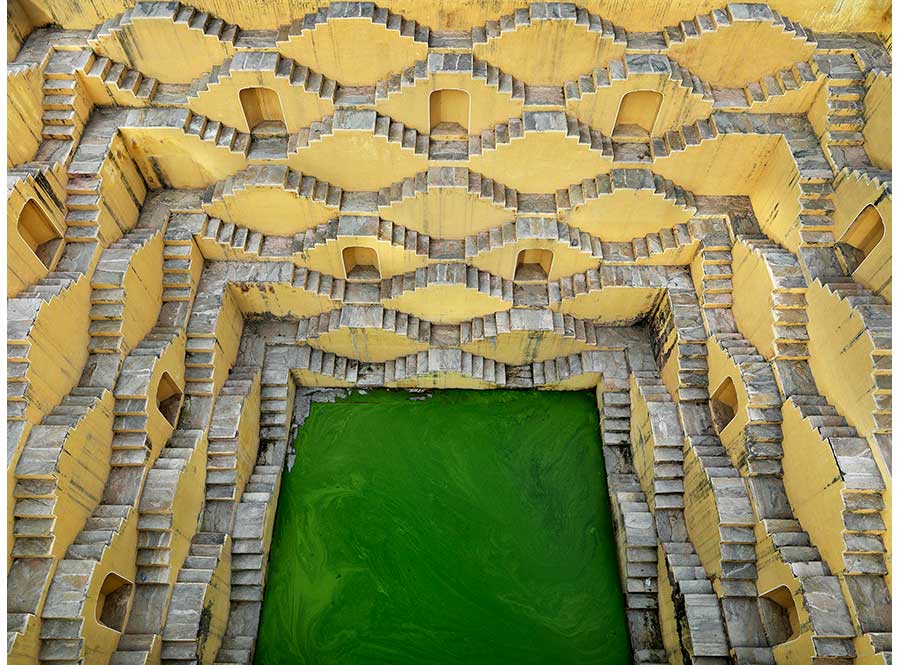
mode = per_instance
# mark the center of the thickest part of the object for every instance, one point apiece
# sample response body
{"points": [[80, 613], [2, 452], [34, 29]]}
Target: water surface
{"points": [[466, 527]]}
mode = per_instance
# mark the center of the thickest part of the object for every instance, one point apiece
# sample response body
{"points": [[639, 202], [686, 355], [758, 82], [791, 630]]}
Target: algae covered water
{"points": [[456, 527]]}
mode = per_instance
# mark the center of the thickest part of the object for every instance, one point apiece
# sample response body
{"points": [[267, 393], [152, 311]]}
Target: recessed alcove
{"points": [[38, 232], [861, 237], [168, 398], [360, 264], [533, 265], [637, 115], [449, 114], [723, 404], [779, 615], [262, 109], [112, 603]]}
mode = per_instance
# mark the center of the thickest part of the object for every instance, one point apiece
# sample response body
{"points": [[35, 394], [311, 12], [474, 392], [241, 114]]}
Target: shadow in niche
{"points": [[861, 237], [361, 264], [112, 605], [449, 114], [38, 232], [723, 404], [533, 265], [168, 398], [779, 615], [637, 115]]}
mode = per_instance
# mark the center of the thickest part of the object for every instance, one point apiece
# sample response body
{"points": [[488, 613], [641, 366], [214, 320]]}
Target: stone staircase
{"points": [[36, 482], [217, 134], [475, 184], [235, 240], [253, 516], [769, 87], [184, 635], [123, 85], [256, 62], [381, 229], [573, 286], [360, 120], [697, 608], [179, 257], [845, 89], [631, 65], [788, 299], [678, 140], [65, 112], [534, 322], [864, 528], [156, 509], [83, 205], [695, 28], [178, 13], [108, 292], [437, 62], [356, 10], [88, 218], [533, 228], [633, 522], [635, 179], [448, 274], [274, 176], [493, 77], [816, 208], [763, 443], [335, 370], [224, 483], [554, 121], [875, 313], [651, 247], [441, 361], [199, 365], [537, 12], [864, 486], [364, 316], [715, 276], [319, 284], [120, 499], [24, 316]]}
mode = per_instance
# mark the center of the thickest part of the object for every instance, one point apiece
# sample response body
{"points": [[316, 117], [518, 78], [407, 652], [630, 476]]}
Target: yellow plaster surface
{"points": [[719, 57], [354, 51], [564, 52]]}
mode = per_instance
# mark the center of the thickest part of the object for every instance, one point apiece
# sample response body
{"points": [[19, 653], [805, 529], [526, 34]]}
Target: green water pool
{"points": [[455, 527]]}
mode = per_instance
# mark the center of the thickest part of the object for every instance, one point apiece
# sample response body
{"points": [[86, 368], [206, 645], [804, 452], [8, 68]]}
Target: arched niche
{"points": [[361, 264], [38, 232], [449, 113], [262, 109], [861, 237], [637, 115], [533, 265]]}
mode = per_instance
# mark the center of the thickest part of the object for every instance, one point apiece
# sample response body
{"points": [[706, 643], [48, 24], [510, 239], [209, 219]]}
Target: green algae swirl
{"points": [[466, 527]]}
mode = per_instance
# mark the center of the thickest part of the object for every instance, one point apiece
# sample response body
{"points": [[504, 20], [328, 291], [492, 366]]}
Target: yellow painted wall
{"points": [[841, 357], [752, 294], [877, 131], [23, 109], [851, 196]]}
